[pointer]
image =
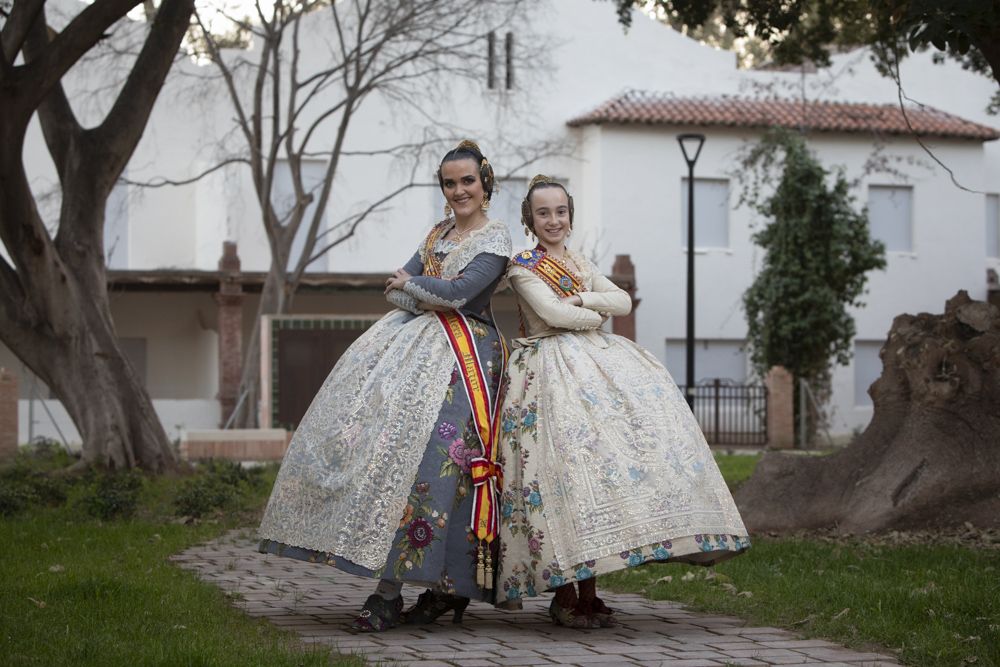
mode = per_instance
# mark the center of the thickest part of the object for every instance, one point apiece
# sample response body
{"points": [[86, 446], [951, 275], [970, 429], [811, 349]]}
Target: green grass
{"points": [[78, 591], [934, 605]]}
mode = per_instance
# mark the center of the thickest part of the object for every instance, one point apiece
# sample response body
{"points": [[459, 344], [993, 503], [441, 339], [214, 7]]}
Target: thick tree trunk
{"points": [[54, 310], [107, 402], [930, 456]]}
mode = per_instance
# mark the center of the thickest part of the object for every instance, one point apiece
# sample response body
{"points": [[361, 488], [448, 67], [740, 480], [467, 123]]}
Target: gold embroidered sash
{"points": [[487, 473], [552, 273]]}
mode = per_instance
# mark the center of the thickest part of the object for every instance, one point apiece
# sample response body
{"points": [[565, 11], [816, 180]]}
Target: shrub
{"points": [[232, 473], [15, 497], [201, 495], [113, 495]]}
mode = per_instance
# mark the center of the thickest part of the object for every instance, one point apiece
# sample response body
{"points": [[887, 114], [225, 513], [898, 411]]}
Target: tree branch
{"points": [[15, 30], [68, 46], [59, 125], [121, 130], [164, 182]]}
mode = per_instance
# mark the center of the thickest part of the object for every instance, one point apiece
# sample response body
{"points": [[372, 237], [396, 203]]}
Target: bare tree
{"points": [[54, 309], [287, 113]]}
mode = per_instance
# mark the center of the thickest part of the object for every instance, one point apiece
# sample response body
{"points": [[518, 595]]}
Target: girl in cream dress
{"points": [[605, 465]]}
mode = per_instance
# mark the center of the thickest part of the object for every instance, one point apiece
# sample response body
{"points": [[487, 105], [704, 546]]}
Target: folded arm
{"points": [[548, 306], [401, 299], [453, 293], [607, 298]]}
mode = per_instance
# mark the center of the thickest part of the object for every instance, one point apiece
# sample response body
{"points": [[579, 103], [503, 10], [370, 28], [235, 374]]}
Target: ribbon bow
{"points": [[483, 470]]}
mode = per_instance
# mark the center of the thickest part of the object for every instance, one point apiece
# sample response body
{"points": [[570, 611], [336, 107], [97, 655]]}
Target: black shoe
{"points": [[379, 614], [431, 605]]}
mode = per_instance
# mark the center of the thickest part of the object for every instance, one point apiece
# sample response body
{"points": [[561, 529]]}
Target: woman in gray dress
{"points": [[378, 478]]}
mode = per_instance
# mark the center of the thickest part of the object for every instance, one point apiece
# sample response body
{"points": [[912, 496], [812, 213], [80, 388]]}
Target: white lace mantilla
{"points": [[348, 471], [492, 238]]}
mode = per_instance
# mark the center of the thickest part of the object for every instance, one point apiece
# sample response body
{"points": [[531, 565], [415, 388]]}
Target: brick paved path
{"points": [[319, 602]]}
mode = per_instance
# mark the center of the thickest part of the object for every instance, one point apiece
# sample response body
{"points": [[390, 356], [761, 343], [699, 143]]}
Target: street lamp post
{"points": [[691, 148]]}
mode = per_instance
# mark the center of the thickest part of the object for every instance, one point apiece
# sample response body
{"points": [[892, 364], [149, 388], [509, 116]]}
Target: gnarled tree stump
{"points": [[930, 456]]}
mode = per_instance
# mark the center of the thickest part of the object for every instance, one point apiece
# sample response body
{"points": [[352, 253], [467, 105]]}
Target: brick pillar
{"points": [[8, 414], [230, 303], [623, 274], [780, 408]]}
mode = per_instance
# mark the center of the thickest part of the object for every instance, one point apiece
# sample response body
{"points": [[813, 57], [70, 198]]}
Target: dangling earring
{"points": [[447, 210], [485, 206]]}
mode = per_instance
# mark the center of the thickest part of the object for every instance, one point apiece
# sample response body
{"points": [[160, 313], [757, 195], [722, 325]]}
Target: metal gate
{"points": [[731, 414]]}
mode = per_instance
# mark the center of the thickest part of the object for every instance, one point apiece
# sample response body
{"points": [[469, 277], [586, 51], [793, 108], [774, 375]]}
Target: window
{"points": [[509, 59], [491, 60], [890, 216], [723, 359], [116, 227], [867, 369], [993, 226], [283, 198], [711, 213]]}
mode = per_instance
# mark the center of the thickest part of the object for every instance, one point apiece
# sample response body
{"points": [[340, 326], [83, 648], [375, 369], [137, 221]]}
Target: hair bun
{"points": [[541, 178], [468, 145]]}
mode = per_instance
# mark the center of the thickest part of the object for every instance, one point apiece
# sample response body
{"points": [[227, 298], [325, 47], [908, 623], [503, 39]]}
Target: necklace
{"points": [[460, 235]]}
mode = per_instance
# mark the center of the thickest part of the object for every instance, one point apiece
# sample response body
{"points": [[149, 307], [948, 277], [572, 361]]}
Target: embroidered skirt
{"points": [[605, 468], [431, 544]]}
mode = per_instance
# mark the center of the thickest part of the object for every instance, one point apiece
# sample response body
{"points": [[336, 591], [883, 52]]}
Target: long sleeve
{"points": [[478, 275], [606, 297], [544, 302], [401, 299]]}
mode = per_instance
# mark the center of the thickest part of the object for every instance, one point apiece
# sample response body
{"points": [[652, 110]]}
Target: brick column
{"points": [[780, 408], [8, 414], [623, 274], [230, 303]]}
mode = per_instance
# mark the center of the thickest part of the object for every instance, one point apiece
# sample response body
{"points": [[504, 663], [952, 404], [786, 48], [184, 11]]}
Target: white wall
{"points": [[642, 174], [626, 181]]}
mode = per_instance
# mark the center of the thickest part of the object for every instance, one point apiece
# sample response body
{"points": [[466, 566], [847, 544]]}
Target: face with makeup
{"points": [[462, 187], [550, 214]]}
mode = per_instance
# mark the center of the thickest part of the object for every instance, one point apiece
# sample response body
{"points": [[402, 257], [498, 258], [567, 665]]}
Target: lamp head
{"points": [[691, 144]]}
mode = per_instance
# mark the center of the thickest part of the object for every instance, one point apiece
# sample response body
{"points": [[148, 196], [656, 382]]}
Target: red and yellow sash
{"points": [[553, 273], [487, 473]]}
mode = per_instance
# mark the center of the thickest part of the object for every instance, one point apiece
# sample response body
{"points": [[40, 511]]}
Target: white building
{"points": [[626, 174]]}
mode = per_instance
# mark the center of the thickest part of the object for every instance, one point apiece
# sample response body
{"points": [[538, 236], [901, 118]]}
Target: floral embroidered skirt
{"points": [[605, 468], [433, 545]]}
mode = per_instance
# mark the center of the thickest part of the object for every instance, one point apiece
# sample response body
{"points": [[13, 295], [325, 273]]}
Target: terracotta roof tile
{"points": [[647, 108]]}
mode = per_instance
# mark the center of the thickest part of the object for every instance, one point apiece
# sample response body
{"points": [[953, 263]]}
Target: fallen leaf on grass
{"points": [[729, 588], [663, 580], [38, 603], [180, 627], [745, 594], [840, 614], [808, 619], [56, 568], [688, 577], [970, 659]]}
